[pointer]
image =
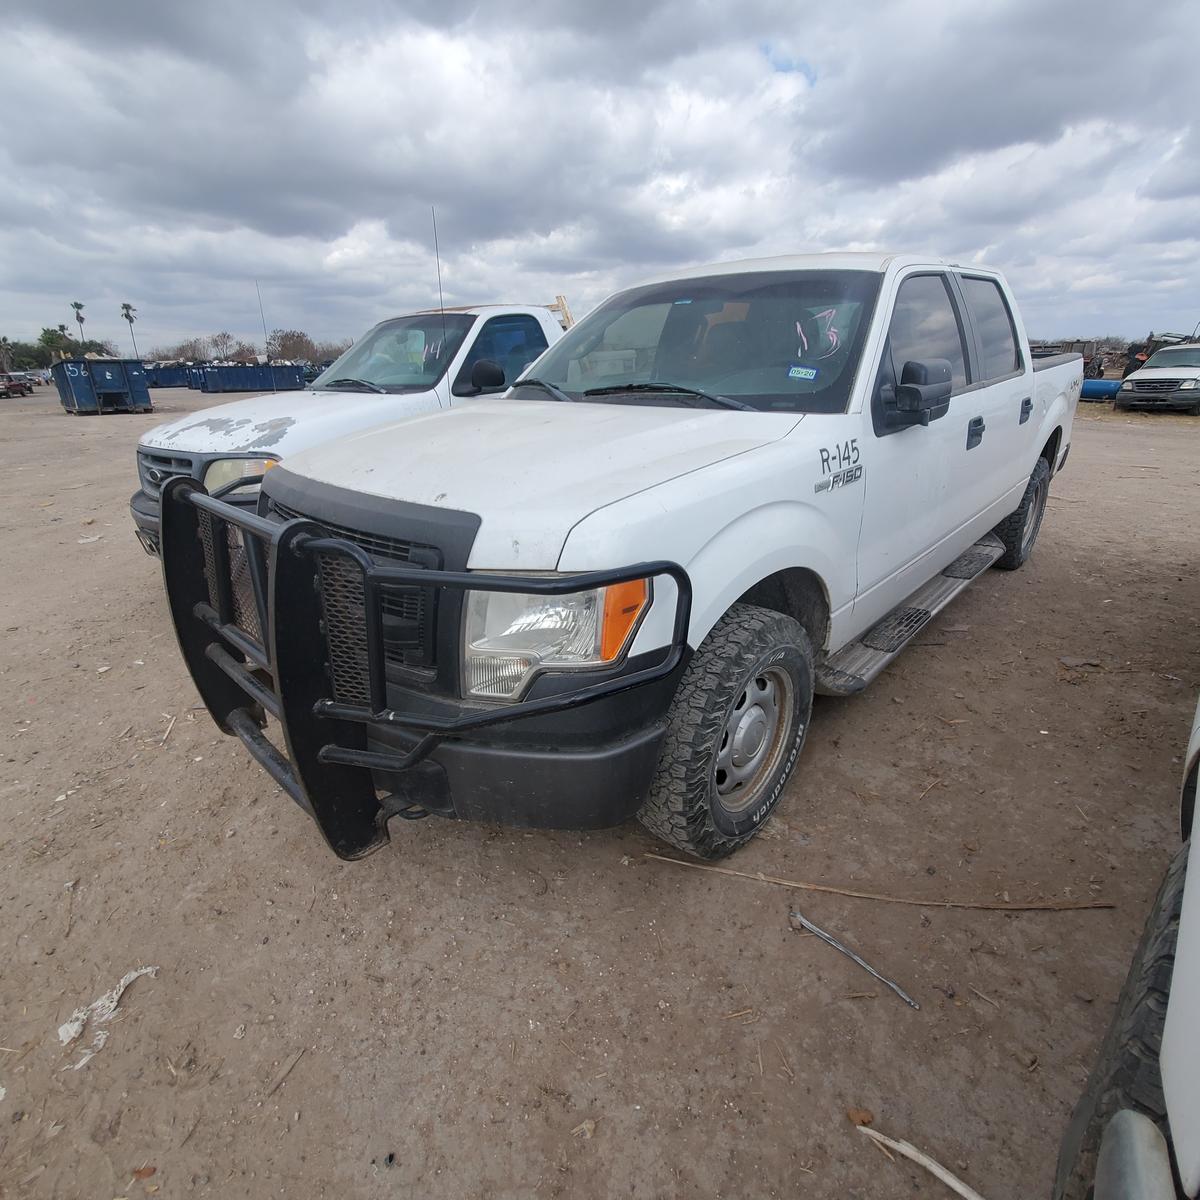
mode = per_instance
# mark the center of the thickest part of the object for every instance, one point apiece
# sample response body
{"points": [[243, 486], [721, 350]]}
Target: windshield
{"points": [[768, 340], [409, 354], [1179, 356]]}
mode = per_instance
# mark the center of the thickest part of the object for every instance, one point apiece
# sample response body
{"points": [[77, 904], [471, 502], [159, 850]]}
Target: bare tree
{"points": [[290, 343], [222, 344]]}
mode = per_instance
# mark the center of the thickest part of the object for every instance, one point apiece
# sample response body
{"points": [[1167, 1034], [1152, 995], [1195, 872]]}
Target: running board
{"points": [[855, 665]]}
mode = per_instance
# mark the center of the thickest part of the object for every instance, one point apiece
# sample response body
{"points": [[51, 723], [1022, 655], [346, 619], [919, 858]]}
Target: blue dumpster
{"points": [[100, 385], [166, 377], [248, 377]]}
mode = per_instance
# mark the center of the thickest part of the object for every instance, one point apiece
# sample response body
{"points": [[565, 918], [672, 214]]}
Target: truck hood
{"points": [[530, 469], [277, 424], [1165, 373]]}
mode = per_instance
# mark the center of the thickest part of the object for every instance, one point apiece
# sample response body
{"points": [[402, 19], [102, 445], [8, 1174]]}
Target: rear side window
{"points": [[925, 325], [998, 353]]}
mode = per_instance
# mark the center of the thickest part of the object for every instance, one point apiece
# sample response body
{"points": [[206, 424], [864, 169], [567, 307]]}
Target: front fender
{"points": [[702, 522]]}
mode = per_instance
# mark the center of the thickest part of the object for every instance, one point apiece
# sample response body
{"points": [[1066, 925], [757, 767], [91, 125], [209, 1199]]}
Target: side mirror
{"points": [[923, 394], [486, 376]]}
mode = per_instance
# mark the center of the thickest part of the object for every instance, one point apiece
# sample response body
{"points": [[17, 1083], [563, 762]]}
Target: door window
{"points": [[998, 354], [512, 341], [925, 325]]}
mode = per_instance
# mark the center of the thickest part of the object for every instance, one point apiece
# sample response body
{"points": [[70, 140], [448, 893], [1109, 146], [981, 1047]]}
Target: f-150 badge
{"points": [[839, 479]]}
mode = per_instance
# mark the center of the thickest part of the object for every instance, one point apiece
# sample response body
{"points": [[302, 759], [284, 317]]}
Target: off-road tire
{"points": [[1119, 405], [684, 806], [1126, 1074], [1018, 539]]}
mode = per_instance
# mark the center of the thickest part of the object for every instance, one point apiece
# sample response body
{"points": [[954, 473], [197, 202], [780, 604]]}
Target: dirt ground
{"points": [[483, 1013]]}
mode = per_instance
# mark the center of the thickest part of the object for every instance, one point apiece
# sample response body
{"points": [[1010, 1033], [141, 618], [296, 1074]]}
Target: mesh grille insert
{"points": [[408, 613]]}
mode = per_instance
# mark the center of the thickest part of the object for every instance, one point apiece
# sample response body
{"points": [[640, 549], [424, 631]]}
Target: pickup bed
{"points": [[406, 366], [614, 591]]}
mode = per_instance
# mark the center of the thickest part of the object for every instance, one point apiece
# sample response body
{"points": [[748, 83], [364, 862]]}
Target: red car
{"points": [[14, 385]]}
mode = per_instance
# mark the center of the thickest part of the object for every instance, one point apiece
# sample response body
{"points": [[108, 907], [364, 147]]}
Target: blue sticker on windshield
{"points": [[802, 373], [683, 302]]}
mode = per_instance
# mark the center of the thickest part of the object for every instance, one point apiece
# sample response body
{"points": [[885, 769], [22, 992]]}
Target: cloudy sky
{"points": [[167, 154]]}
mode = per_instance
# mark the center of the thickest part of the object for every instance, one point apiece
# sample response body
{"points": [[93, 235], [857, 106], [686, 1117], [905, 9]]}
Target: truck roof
{"points": [[478, 308], [840, 260]]}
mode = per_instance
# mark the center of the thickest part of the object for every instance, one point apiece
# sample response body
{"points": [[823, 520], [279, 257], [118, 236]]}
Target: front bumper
{"points": [[574, 754], [1174, 401], [143, 508]]}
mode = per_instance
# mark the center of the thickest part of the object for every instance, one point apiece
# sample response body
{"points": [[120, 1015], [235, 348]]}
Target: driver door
{"points": [[910, 509]]}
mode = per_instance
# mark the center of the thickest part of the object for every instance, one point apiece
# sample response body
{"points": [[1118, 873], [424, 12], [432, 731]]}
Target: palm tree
{"points": [[79, 319], [128, 312]]}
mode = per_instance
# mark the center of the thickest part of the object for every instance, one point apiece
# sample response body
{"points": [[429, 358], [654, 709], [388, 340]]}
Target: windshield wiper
{"points": [[672, 389], [549, 388], [360, 384]]}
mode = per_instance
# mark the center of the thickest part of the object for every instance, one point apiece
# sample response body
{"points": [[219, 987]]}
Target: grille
{"points": [[155, 468], [245, 611], [408, 613], [1156, 385]]}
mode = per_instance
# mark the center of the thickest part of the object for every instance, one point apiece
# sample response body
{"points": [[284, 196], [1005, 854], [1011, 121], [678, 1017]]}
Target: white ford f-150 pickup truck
{"points": [[403, 367], [614, 591]]}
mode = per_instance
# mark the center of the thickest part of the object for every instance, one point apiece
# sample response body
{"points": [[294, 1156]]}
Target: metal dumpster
{"points": [[100, 385], [252, 377], [166, 377]]}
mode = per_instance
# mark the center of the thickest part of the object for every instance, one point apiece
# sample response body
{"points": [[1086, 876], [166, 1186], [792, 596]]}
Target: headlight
{"points": [[1127, 386], [223, 471], [1188, 384], [509, 637]]}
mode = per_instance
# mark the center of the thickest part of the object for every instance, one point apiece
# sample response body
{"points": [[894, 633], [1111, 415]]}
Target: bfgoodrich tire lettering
{"points": [[751, 679]]}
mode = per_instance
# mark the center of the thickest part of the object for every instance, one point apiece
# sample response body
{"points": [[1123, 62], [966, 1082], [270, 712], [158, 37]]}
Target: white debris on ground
{"points": [[100, 1010]]}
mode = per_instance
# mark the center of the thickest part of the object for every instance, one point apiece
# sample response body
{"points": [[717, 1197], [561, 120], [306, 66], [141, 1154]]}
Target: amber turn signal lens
{"points": [[623, 604]]}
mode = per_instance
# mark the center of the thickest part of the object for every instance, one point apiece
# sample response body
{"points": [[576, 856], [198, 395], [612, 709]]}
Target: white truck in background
{"points": [[614, 591], [405, 366]]}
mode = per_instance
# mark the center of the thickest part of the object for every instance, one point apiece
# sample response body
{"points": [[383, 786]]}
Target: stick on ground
{"points": [[1033, 906], [934, 1168]]}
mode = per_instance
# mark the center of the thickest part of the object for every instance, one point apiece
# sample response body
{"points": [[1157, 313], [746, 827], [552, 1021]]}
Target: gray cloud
{"points": [[171, 154]]}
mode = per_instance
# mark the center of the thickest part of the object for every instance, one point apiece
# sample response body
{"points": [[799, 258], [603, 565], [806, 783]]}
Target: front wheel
{"points": [[737, 725], [1019, 531]]}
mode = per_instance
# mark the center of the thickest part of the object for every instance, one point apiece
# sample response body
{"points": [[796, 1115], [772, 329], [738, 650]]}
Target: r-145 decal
{"points": [[841, 466], [842, 455]]}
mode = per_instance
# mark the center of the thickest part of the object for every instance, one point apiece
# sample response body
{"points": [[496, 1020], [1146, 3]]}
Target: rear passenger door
{"points": [[999, 404]]}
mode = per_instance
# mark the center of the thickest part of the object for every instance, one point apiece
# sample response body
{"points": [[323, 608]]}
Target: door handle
{"points": [[1026, 409], [975, 428]]}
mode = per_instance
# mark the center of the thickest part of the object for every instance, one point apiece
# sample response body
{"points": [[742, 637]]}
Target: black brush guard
{"points": [[327, 766]]}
